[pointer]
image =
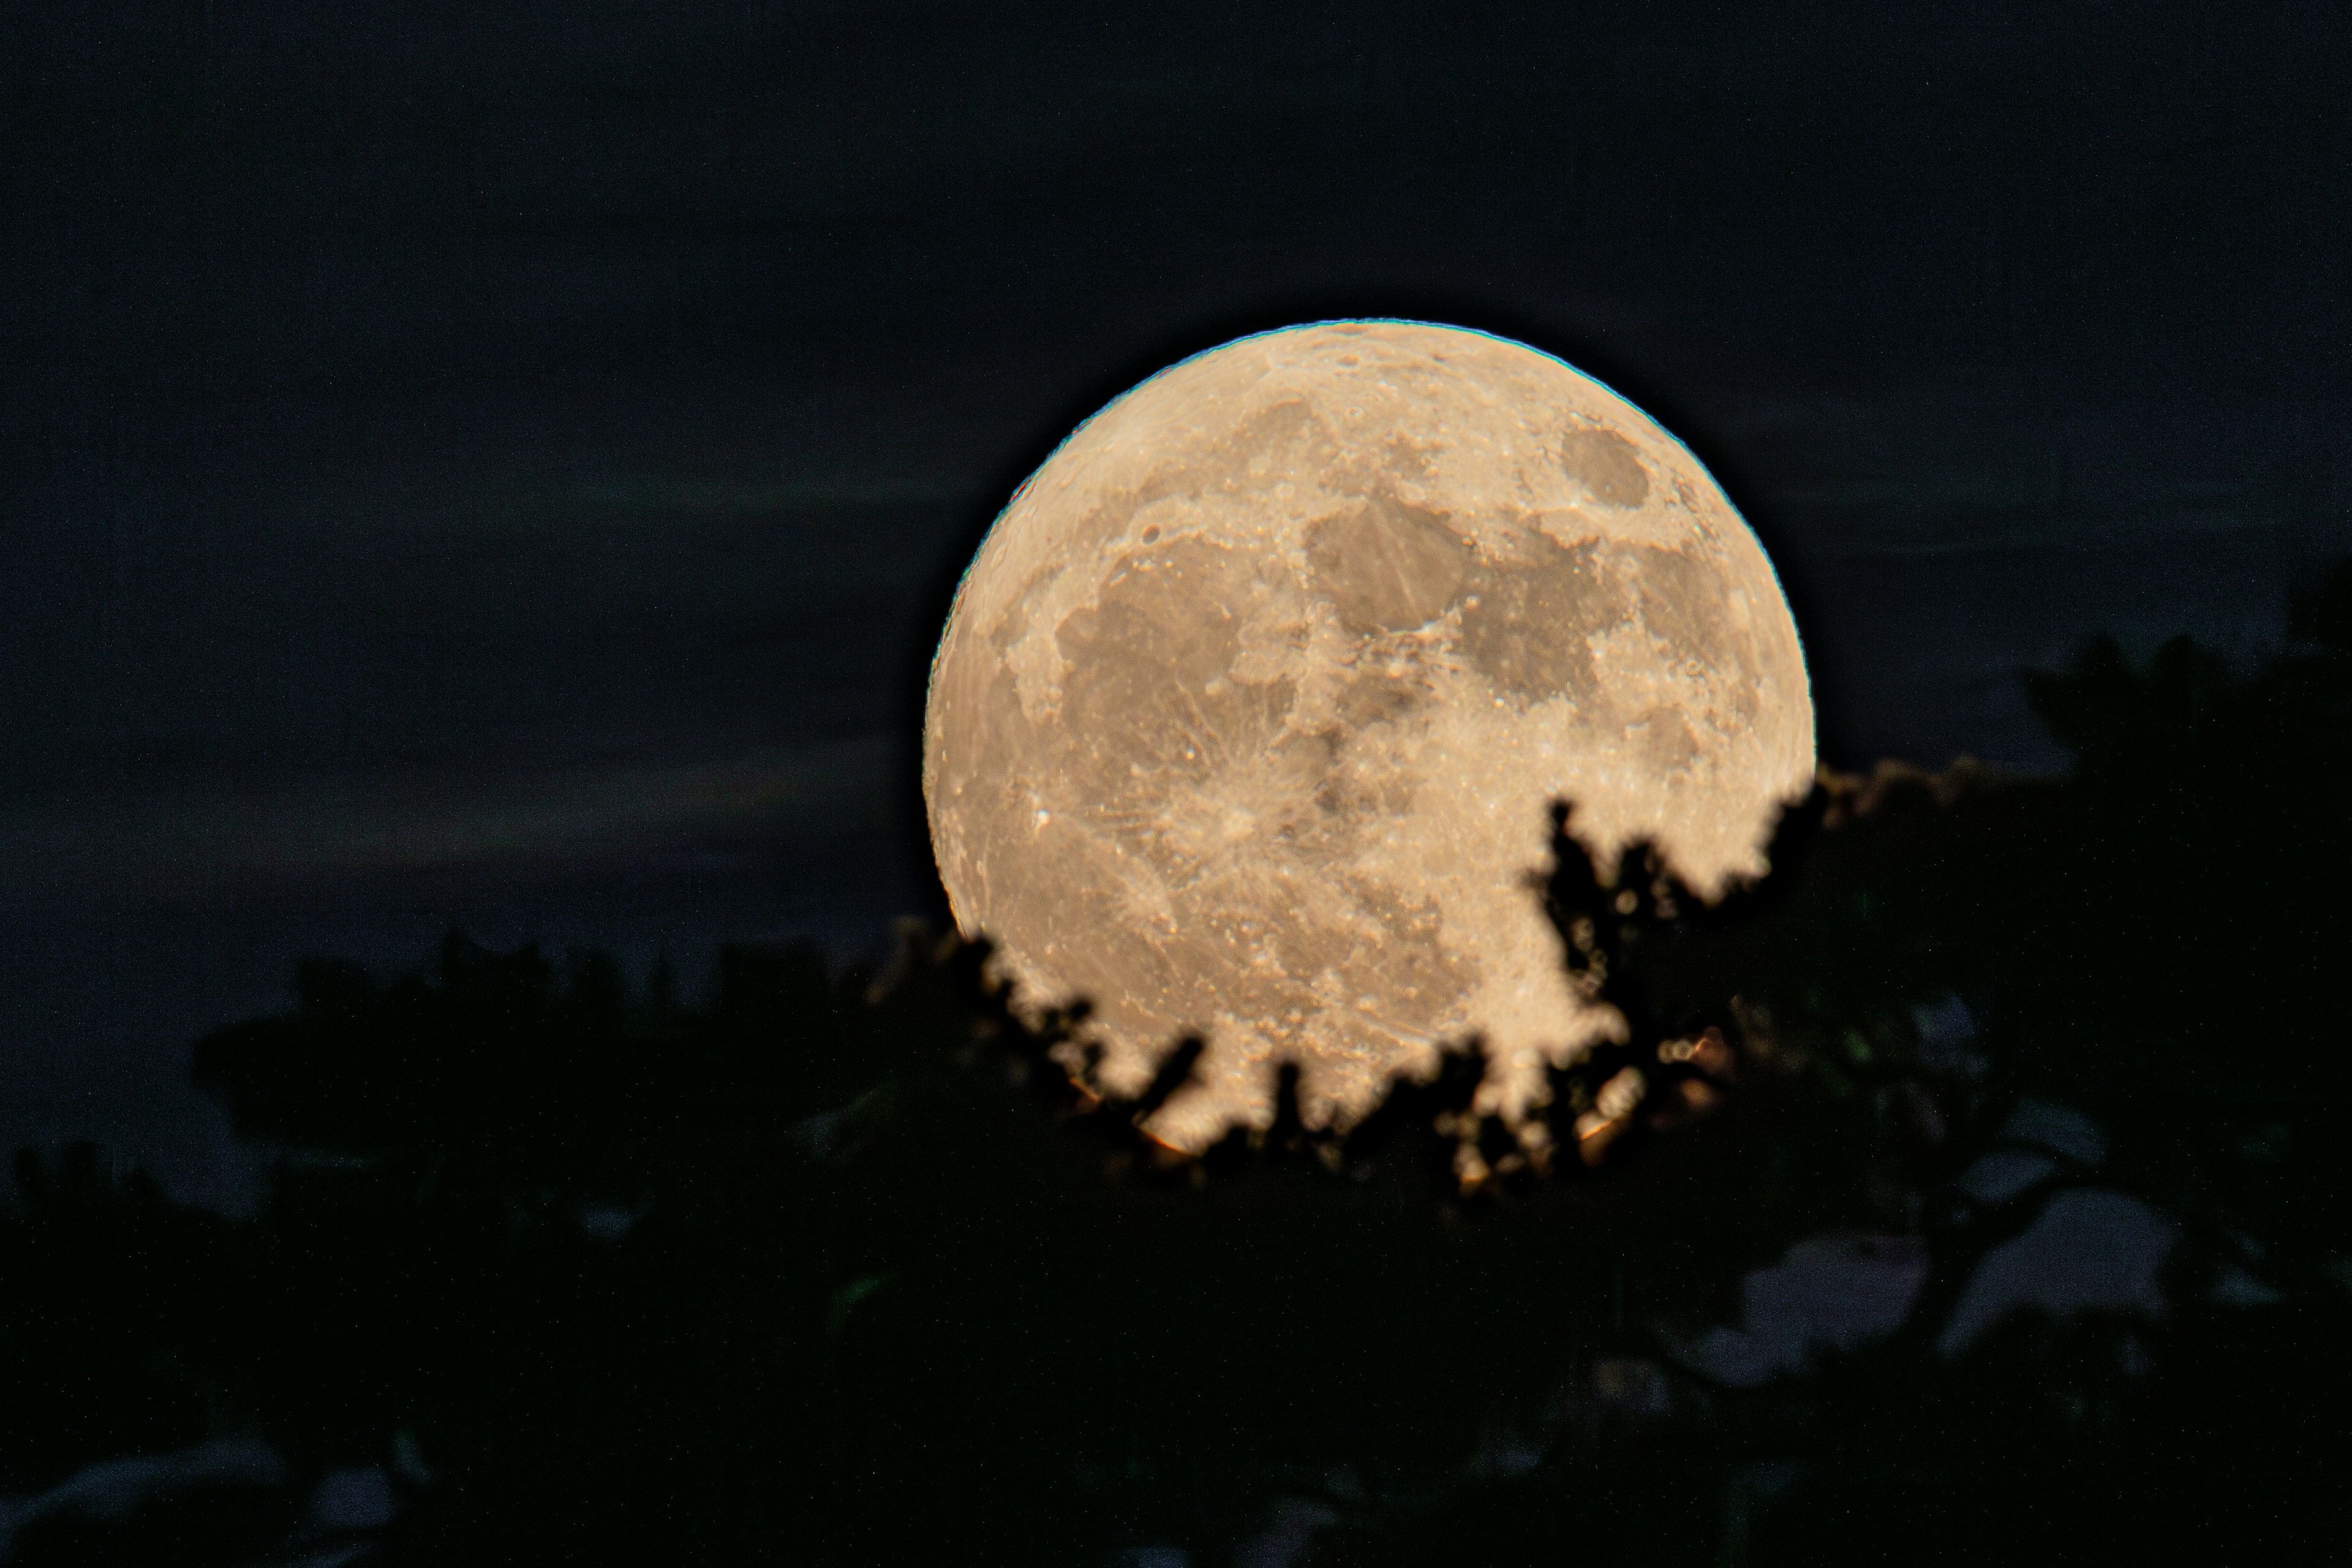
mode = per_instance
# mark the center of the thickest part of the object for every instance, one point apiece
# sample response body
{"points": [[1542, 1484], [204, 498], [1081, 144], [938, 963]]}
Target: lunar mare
{"points": [[1249, 713]]}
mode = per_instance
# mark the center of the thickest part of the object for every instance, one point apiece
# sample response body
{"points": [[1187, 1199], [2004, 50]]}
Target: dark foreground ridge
{"points": [[1966, 1190]]}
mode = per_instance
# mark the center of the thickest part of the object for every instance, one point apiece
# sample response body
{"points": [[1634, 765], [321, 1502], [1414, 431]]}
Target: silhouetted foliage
{"points": [[848, 1268]]}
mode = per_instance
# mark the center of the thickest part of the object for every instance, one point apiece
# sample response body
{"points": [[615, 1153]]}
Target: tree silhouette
{"points": [[849, 1266]]}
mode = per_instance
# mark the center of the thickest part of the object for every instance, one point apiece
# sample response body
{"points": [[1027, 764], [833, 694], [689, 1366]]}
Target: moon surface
{"points": [[1249, 713]]}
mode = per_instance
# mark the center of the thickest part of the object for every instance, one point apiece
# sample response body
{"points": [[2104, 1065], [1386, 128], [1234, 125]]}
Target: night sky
{"points": [[507, 464]]}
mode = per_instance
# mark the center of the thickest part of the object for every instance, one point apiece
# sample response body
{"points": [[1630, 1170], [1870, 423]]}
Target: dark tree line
{"points": [[841, 1268]]}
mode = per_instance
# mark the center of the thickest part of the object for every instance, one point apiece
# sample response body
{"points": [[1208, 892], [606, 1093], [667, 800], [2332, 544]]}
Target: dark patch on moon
{"points": [[1387, 566], [1605, 464], [1283, 441], [1379, 698], [1149, 702], [1664, 741], [1067, 926], [1352, 798], [1683, 602], [1524, 626]]}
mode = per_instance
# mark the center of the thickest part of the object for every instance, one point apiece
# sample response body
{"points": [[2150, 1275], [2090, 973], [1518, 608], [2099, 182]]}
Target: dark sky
{"points": [[506, 463]]}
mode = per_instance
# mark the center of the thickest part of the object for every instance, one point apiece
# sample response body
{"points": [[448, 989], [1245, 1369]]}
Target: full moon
{"points": [[1249, 713]]}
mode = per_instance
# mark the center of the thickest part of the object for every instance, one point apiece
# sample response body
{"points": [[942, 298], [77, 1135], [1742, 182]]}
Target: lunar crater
{"points": [[1607, 467]]}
